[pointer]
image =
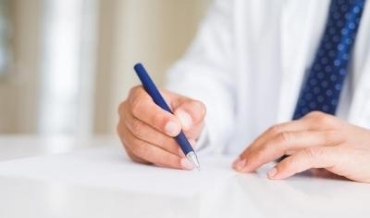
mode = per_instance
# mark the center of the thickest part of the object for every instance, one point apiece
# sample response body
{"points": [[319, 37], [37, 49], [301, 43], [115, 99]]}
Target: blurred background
{"points": [[65, 65]]}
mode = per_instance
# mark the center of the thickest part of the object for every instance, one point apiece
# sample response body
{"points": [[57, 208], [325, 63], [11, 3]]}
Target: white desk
{"points": [[236, 195]]}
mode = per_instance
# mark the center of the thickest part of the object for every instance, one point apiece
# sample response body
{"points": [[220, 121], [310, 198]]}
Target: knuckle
{"points": [[276, 129], [320, 117], [203, 110], [284, 137], [133, 94], [315, 114], [136, 106], [326, 120], [312, 153], [134, 90], [158, 120], [136, 128], [137, 97], [200, 107]]}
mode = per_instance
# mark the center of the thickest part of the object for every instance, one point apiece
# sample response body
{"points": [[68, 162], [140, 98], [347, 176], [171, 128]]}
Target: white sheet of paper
{"points": [[102, 182], [109, 168]]}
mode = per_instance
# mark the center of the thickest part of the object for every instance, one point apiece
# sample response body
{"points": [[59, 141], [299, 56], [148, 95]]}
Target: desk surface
{"points": [[228, 194]]}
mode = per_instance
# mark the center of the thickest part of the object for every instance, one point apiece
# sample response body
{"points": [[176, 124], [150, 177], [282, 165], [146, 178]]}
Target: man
{"points": [[257, 63]]}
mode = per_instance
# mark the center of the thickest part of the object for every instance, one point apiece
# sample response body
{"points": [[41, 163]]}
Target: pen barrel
{"points": [[184, 143], [154, 93], [150, 88]]}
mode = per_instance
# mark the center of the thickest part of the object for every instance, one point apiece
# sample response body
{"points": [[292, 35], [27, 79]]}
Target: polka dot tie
{"points": [[323, 83]]}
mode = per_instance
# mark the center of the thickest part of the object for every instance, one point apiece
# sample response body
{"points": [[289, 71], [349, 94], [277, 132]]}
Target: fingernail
{"points": [[172, 128], [185, 119], [239, 164], [185, 163], [272, 173]]}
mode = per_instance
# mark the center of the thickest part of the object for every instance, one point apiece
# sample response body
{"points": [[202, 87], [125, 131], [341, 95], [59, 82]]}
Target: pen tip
{"points": [[193, 159]]}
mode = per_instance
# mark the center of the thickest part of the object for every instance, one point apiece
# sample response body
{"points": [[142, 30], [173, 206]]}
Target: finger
{"points": [[312, 121], [135, 158], [312, 157], [143, 152], [189, 111], [160, 157], [191, 114], [125, 137], [143, 108], [147, 133], [194, 129], [292, 126], [321, 121], [287, 143]]}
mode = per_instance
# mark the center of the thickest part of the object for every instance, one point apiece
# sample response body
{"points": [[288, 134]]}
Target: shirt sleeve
{"points": [[206, 73]]}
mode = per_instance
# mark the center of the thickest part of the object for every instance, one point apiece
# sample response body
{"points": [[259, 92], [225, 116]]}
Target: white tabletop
{"points": [[33, 194]]}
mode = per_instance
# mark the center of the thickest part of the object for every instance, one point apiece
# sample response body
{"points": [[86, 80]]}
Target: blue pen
{"points": [[152, 90]]}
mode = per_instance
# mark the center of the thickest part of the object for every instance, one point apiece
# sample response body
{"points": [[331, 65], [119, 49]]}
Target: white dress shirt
{"points": [[248, 61]]}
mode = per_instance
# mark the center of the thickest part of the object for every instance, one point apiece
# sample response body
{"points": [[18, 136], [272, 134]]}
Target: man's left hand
{"points": [[317, 140]]}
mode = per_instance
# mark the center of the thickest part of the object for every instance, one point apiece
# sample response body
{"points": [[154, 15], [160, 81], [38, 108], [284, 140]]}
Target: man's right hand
{"points": [[147, 131]]}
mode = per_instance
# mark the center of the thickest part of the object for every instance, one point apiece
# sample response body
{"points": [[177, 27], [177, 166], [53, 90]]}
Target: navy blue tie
{"points": [[322, 86]]}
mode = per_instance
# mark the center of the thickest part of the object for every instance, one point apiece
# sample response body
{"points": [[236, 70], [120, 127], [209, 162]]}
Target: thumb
{"points": [[191, 114]]}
